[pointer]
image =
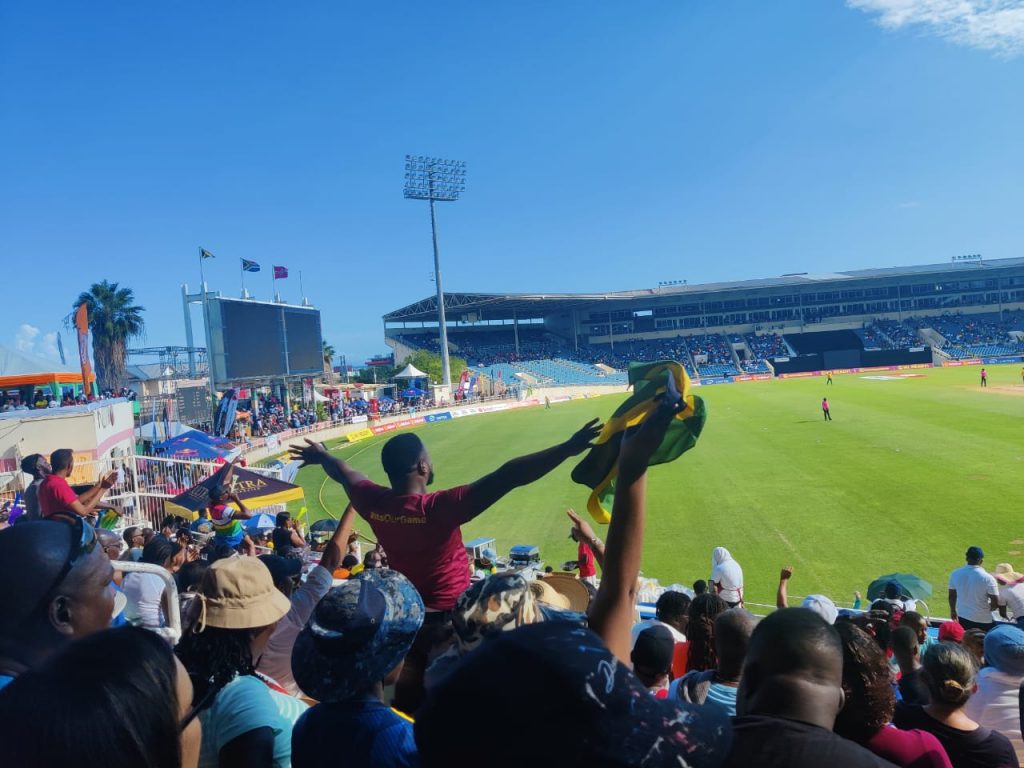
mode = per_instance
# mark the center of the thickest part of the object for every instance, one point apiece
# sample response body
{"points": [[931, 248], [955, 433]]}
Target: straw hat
{"points": [[572, 588], [545, 593], [239, 593], [1004, 573]]}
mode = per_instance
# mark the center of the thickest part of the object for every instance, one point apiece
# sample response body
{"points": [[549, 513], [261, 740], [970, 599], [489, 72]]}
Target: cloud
{"points": [[30, 339], [991, 25]]}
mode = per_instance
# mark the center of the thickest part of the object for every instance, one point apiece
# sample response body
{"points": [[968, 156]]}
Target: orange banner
{"points": [[82, 326]]}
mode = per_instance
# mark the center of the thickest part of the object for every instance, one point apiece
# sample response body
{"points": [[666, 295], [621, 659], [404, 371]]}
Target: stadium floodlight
{"points": [[436, 180]]}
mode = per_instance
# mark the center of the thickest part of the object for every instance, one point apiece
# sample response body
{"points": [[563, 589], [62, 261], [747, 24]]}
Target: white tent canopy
{"points": [[411, 372]]}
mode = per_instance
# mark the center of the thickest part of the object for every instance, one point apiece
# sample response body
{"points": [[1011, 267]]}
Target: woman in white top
{"points": [[996, 704], [147, 601], [726, 577]]}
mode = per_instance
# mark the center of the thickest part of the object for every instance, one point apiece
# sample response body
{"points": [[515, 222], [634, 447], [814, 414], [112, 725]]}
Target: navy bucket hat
{"points": [[358, 633]]}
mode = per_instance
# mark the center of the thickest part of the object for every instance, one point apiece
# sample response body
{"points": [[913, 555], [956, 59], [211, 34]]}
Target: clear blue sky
{"points": [[609, 145]]}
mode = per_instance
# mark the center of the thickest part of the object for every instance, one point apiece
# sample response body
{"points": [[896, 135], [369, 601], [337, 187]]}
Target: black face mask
{"points": [[430, 477]]}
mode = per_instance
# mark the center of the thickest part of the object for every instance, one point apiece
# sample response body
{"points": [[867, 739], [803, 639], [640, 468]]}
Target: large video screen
{"points": [[305, 349], [249, 340]]}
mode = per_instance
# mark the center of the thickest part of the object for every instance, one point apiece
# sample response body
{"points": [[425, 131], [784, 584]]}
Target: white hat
{"points": [[822, 606]]}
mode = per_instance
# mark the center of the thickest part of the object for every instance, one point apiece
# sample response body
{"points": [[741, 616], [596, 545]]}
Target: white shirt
{"points": [[143, 591], [277, 658], [678, 636], [730, 576], [1013, 598], [996, 705], [973, 585]]}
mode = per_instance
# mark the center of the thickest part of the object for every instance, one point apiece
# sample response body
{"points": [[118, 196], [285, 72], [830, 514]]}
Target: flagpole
{"points": [[301, 289], [202, 274], [241, 265]]}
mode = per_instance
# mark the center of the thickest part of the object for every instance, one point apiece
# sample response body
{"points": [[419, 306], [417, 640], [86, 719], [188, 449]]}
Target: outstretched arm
{"points": [[338, 544], [91, 498], [336, 469], [611, 613], [782, 596], [486, 491]]}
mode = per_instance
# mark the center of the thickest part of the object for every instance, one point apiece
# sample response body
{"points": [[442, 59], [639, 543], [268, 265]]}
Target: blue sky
{"points": [[609, 145]]}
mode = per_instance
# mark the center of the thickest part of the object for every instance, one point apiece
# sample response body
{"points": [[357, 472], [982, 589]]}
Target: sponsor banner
{"points": [[753, 377], [360, 419], [382, 428], [359, 434], [870, 369], [431, 417], [1000, 360], [707, 380]]}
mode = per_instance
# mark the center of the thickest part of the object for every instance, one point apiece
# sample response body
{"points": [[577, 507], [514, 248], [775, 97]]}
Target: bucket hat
{"points": [[358, 633], [239, 593]]}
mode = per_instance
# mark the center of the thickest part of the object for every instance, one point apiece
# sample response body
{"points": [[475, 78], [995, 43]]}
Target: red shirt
{"points": [[913, 748], [55, 495], [421, 535], [585, 560]]}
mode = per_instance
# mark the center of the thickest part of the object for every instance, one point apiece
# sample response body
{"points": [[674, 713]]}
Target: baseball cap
{"points": [[557, 679], [975, 553], [654, 648], [822, 606], [281, 568], [951, 632]]}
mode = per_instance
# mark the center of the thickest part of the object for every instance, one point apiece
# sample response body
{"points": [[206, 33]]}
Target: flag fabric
{"points": [[256, 491], [600, 465], [280, 273], [205, 254], [250, 266]]}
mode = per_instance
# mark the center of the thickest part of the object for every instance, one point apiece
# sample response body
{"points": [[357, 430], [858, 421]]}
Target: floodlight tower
{"points": [[436, 180]]}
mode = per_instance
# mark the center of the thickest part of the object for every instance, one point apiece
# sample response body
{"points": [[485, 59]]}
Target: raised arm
{"points": [[336, 469], [611, 613], [524, 470], [782, 595], [587, 536], [243, 513], [337, 546], [91, 498]]}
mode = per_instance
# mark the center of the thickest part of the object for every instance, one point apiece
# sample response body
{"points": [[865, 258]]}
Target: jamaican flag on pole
{"points": [[599, 467]]}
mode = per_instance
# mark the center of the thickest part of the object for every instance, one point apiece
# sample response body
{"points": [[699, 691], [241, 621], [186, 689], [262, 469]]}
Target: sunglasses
{"points": [[83, 542]]}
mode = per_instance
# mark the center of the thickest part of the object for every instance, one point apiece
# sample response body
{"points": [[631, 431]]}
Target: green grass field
{"points": [[908, 474]]}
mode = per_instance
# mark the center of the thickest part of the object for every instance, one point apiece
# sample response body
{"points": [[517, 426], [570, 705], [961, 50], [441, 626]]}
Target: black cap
{"points": [[654, 649]]}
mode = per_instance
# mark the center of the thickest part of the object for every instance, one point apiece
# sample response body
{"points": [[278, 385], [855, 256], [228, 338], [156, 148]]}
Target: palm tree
{"points": [[114, 320]]}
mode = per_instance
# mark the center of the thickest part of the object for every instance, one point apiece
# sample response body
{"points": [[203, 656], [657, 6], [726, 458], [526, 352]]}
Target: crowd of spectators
{"points": [[966, 331], [42, 399], [412, 657]]}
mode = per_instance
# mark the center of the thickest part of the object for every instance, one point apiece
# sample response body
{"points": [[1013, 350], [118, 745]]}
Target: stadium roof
{"points": [[495, 306]]}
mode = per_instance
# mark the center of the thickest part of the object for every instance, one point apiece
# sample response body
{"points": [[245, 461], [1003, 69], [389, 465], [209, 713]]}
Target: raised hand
{"points": [[582, 439], [580, 526], [309, 454], [786, 573]]}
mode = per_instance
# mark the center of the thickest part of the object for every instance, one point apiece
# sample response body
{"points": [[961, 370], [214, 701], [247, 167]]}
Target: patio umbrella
{"points": [[260, 522], [324, 525], [910, 586]]}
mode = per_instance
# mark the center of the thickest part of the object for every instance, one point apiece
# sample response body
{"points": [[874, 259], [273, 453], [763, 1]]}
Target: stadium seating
{"points": [[978, 335]]}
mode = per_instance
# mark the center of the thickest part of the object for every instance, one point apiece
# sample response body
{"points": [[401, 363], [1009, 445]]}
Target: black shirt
{"points": [[282, 538], [31, 500], [913, 689], [774, 742], [983, 748]]}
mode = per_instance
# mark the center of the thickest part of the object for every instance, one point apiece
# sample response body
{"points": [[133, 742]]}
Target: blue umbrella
{"points": [[261, 522]]}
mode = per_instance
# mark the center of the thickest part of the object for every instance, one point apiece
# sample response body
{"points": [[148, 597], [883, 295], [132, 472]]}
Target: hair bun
{"points": [[952, 686]]}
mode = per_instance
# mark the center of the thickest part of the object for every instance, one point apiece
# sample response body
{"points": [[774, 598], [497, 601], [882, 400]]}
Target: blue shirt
{"points": [[371, 734]]}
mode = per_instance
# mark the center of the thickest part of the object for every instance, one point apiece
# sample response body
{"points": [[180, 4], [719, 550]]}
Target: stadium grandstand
{"points": [[969, 308]]}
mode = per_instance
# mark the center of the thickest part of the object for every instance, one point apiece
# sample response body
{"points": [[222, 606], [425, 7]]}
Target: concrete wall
{"points": [[99, 430]]}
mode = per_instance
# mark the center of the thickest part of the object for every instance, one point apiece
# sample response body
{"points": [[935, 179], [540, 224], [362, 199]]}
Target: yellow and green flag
{"points": [[600, 466]]}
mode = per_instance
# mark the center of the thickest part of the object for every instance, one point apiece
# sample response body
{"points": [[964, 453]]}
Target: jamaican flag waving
{"points": [[599, 467]]}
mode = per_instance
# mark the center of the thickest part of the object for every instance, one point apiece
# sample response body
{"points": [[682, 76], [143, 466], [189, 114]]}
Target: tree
{"points": [[430, 364], [114, 320]]}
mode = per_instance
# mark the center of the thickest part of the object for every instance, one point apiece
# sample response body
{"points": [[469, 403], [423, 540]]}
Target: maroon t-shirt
{"points": [[585, 560], [55, 495], [420, 534], [917, 749]]}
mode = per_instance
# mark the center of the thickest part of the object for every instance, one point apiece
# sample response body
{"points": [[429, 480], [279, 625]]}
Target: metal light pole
{"points": [[436, 180]]}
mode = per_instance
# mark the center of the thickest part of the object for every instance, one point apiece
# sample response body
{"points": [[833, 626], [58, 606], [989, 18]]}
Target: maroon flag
{"points": [[280, 273]]}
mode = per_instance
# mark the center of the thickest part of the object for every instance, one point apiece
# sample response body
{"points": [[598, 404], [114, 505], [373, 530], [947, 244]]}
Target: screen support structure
{"points": [[188, 299]]}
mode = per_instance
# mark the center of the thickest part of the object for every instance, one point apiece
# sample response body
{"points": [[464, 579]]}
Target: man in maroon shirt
{"points": [[55, 495], [421, 531]]}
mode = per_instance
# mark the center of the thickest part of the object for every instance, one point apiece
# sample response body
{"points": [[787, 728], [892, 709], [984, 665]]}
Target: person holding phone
{"points": [[55, 495]]}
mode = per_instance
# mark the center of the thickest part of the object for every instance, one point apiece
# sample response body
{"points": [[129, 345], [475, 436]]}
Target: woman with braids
{"points": [[700, 629], [247, 718], [870, 702], [949, 673]]}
